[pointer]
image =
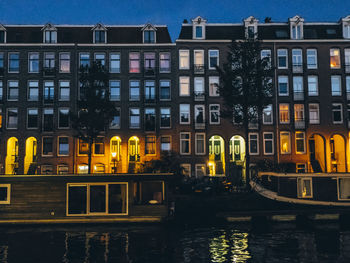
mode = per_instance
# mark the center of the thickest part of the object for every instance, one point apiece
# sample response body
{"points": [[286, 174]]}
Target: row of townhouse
{"points": [[166, 97]]}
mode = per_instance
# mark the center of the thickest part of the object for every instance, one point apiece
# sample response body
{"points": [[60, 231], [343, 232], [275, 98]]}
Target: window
{"points": [[311, 55], [347, 79], [49, 91], [346, 55], [268, 143], [1, 90], [200, 143], [304, 187], [13, 62], [5, 193], [214, 113], [251, 32], [134, 62], [200, 170], [32, 118], [314, 113], [312, 83], [83, 147], [99, 37], [284, 113], [300, 142], [114, 62], [184, 59], [1, 118], [266, 54], [199, 59], [84, 59], [253, 143], [185, 142], [267, 115], [150, 119], [150, 91], [165, 118], [299, 114], [184, 86], [33, 90], [149, 36], [12, 118], [297, 60], [48, 120], [214, 86], [62, 169], [199, 89], [346, 30], [213, 59], [337, 113], [149, 63], [298, 88], [83, 168], [199, 32], [12, 94], [50, 36], [199, 116], [49, 61], [164, 62], [100, 58], [334, 58], [165, 143], [2, 36], [33, 62], [301, 168], [63, 118], [63, 146], [1, 63], [184, 113], [134, 115], [283, 86], [164, 90], [336, 85], [296, 31], [114, 90], [46, 169], [115, 123], [134, 90], [64, 62], [285, 142], [282, 58], [150, 145], [47, 146], [99, 148], [64, 92], [186, 169]]}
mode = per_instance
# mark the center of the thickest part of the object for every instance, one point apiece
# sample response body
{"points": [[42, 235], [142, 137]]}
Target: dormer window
{"points": [[198, 28], [50, 33], [149, 34], [99, 34], [251, 27], [346, 27], [2, 34], [296, 27]]}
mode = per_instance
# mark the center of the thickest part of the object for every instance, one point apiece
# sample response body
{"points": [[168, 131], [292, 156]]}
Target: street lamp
{"points": [[114, 155]]}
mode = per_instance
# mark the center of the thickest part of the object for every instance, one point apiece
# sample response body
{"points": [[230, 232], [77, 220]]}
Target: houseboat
{"points": [[325, 189], [97, 198]]}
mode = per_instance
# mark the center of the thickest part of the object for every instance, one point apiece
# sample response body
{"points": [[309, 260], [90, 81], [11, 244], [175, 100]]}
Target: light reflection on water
{"points": [[229, 243]]}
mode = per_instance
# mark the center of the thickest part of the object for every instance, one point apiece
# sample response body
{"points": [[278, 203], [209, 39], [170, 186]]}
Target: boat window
{"points": [[5, 190], [149, 193], [117, 198], [305, 187], [97, 199], [344, 189], [77, 199]]}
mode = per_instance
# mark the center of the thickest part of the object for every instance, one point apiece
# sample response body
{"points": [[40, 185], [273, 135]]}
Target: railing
{"points": [[49, 71], [149, 99], [48, 100], [347, 68], [297, 68], [164, 70], [199, 96], [198, 69], [149, 71], [298, 95], [299, 124], [199, 125]]}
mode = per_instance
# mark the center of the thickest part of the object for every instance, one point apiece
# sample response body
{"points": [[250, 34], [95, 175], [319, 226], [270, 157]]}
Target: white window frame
{"points": [[278, 80], [264, 110], [160, 116], [195, 31], [58, 146], [300, 180], [209, 67], [289, 142], [286, 56], [330, 55], [134, 108], [188, 58], [110, 62], [272, 141], [194, 56], [160, 145], [37, 115], [59, 62], [28, 90], [7, 117], [181, 78], [257, 142], [29, 54], [210, 111], [59, 90], [200, 166], [110, 93], [309, 66], [308, 85], [189, 143], [304, 142], [334, 93], [189, 114], [216, 80], [341, 113], [312, 121], [279, 111], [204, 144]]}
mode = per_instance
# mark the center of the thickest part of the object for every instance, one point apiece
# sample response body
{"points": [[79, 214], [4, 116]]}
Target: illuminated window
{"points": [[300, 142], [115, 147], [165, 118], [312, 84], [311, 56], [282, 58], [184, 59], [283, 86], [337, 113], [336, 85], [62, 169], [64, 62], [268, 143], [184, 86], [213, 59], [305, 187], [83, 147], [314, 113], [214, 86], [150, 145], [301, 168], [214, 114], [33, 62], [47, 169], [285, 142], [33, 90], [99, 168], [199, 58], [299, 113], [0, 118], [185, 142], [134, 62], [186, 169], [253, 143], [334, 58], [164, 62], [284, 113], [200, 143], [114, 62], [200, 170], [185, 114], [83, 168], [267, 115], [165, 143]]}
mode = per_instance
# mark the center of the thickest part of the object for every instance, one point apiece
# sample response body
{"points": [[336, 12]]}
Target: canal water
{"points": [[326, 242]]}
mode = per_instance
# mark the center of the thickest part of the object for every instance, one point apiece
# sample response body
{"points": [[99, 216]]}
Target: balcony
{"points": [[149, 71], [49, 72], [199, 96], [297, 68], [347, 68], [198, 69], [298, 95], [299, 124]]}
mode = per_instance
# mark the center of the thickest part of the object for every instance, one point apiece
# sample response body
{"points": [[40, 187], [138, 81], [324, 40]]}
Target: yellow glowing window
{"points": [[285, 142], [284, 113], [335, 58]]}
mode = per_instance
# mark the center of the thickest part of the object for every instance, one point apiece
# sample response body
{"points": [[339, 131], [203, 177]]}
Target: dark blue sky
{"points": [[167, 12]]}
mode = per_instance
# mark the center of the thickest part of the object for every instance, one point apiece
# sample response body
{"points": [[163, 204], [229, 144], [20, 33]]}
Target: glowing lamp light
{"points": [[114, 154], [211, 163]]}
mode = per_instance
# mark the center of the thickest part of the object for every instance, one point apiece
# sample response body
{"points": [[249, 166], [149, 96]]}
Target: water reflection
{"points": [[144, 244]]}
